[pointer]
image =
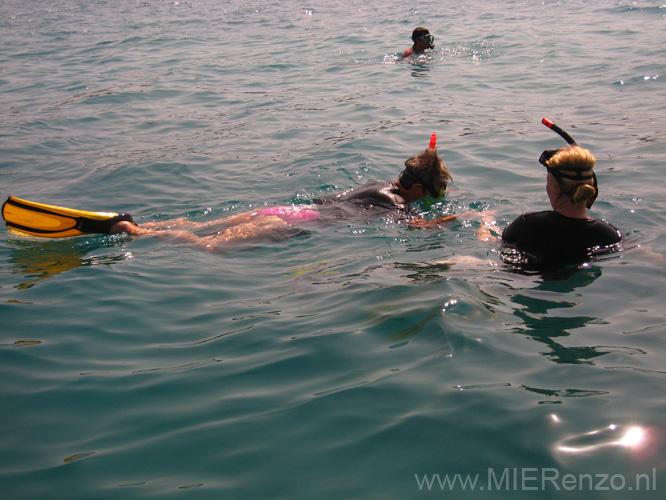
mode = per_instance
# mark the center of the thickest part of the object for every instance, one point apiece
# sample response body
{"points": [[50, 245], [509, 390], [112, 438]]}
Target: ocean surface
{"points": [[366, 359]]}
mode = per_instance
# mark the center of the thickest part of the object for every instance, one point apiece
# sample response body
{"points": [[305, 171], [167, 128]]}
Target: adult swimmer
{"points": [[566, 234], [424, 175], [422, 39]]}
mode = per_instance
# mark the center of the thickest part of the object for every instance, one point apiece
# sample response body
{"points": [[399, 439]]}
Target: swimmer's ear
{"points": [[554, 185]]}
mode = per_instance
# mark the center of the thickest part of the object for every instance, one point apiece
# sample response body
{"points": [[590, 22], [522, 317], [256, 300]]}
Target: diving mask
{"points": [[429, 39], [408, 178]]}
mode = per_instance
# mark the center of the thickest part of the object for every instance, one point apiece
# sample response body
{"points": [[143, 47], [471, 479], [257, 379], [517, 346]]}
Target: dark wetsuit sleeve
{"points": [[370, 200], [375, 193], [511, 233]]}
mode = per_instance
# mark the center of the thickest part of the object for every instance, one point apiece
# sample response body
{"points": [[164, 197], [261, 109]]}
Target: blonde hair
{"points": [[573, 168]]}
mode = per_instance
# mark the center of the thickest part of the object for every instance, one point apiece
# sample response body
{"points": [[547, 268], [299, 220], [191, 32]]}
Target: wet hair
{"points": [[418, 32], [573, 167], [428, 168]]}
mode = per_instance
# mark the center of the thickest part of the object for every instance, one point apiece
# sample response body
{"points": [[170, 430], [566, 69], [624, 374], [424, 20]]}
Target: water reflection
{"points": [[41, 259], [535, 311], [420, 69], [612, 435], [641, 443]]}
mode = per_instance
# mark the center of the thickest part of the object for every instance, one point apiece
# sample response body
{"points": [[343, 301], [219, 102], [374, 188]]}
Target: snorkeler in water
{"points": [[422, 39], [566, 234], [425, 175]]}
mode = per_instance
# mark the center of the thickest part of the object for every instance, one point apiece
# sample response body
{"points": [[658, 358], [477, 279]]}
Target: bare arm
{"points": [[441, 221], [489, 231]]}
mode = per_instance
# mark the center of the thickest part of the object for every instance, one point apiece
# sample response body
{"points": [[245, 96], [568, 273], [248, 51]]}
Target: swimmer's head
{"points": [[421, 33], [573, 168], [426, 169]]}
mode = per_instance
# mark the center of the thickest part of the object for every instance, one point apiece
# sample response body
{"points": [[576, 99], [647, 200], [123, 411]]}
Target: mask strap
{"points": [[590, 202], [559, 175], [413, 179], [549, 153]]}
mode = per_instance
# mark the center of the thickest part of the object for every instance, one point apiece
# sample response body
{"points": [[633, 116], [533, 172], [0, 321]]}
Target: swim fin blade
{"points": [[50, 221]]}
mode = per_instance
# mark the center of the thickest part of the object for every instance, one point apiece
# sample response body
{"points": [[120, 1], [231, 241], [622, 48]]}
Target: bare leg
{"points": [[229, 232], [226, 222], [258, 229], [183, 223], [179, 223]]}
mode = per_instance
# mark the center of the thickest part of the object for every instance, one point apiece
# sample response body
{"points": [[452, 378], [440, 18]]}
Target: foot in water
{"points": [[127, 227]]}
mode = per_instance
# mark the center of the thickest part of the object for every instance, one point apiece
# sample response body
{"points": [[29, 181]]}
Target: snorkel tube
{"points": [[557, 129], [549, 153], [411, 176], [435, 196]]}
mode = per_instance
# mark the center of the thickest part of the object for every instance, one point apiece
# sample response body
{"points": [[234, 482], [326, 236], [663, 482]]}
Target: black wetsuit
{"points": [[372, 199], [551, 238]]}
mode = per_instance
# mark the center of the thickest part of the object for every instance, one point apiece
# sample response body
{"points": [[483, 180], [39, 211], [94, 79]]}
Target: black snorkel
{"points": [[557, 129], [549, 153]]}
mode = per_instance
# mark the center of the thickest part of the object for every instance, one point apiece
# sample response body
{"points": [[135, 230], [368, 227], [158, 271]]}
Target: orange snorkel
{"points": [[433, 141]]}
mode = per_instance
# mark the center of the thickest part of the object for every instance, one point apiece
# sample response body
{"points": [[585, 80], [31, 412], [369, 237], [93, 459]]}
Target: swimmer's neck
{"points": [[568, 209]]}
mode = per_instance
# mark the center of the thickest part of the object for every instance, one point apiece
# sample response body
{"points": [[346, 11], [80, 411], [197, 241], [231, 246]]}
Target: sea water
{"points": [[365, 359]]}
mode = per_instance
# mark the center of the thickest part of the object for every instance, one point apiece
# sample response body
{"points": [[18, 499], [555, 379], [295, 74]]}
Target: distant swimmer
{"points": [[566, 234], [424, 176], [422, 39]]}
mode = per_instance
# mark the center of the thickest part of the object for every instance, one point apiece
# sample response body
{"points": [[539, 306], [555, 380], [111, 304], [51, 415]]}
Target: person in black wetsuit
{"points": [[425, 175], [566, 234]]}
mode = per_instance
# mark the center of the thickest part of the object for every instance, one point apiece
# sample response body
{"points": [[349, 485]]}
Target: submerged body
{"points": [[424, 175], [370, 200], [565, 235], [549, 237], [423, 41]]}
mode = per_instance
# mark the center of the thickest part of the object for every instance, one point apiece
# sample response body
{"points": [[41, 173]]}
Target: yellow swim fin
{"points": [[49, 221]]}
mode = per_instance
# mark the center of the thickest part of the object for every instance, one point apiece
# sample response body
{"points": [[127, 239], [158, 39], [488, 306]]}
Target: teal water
{"points": [[359, 361]]}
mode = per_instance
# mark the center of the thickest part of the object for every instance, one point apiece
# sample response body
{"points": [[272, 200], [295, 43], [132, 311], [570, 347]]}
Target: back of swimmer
{"points": [[565, 234]]}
